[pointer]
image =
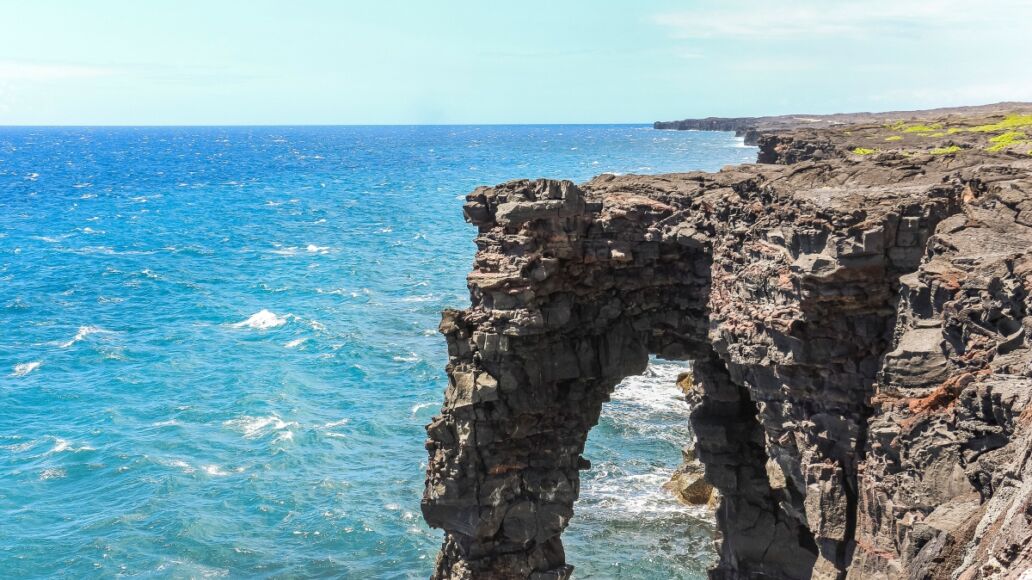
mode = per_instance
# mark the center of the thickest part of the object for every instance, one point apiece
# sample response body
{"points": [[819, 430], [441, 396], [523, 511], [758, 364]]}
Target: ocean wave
{"points": [[614, 494], [22, 369], [642, 408], [420, 406], [262, 320], [419, 298], [178, 464], [295, 343], [52, 473], [314, 249], [62, 445], [215, 470], [255, 427], [19, 447], [84, 331], [51, 239], [166, 423], [655, 389]]}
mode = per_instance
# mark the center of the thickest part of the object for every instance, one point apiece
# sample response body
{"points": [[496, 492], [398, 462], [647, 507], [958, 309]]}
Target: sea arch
{"points": [[572, 290]]}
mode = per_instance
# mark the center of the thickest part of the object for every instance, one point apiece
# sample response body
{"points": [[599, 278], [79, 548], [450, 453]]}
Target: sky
{"points": [[226, 62]]}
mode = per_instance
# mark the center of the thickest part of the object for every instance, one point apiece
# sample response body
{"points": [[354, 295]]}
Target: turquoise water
{"points": [[218, 349]]}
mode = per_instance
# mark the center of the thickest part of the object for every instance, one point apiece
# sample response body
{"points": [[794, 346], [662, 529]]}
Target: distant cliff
{"points": [[858, 309], [753, 127]]}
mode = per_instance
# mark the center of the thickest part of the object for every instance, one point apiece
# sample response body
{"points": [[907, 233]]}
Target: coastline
{"points": [[813, 291]]}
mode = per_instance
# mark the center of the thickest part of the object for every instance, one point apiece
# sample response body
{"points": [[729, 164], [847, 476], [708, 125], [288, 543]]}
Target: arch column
{"points": [[569, 297]]}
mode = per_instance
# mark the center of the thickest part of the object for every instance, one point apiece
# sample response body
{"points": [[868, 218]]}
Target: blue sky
{"points": [[555, 61]]}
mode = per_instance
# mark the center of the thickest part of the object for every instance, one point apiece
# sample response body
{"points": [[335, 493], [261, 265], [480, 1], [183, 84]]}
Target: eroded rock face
{"points": [[861, 376]]}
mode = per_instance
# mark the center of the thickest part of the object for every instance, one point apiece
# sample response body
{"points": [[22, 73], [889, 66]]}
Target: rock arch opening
{"points": [[780, 295], [644, 507]]}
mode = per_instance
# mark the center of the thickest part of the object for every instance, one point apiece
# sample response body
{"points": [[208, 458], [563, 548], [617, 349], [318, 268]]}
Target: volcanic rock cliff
{"points": [[857, 311]]}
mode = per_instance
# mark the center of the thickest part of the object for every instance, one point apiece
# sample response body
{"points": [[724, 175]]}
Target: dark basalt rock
{"points": [[860, 335]]}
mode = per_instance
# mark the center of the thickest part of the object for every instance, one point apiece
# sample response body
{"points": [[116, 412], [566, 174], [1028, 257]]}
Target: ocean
{"points": [[218, 349]]}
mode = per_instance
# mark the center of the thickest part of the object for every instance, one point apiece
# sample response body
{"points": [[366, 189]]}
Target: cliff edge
{"points": [[857, 310]]}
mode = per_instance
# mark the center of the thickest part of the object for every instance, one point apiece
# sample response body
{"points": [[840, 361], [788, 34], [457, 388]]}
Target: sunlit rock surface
{"points": [[857, 318]]}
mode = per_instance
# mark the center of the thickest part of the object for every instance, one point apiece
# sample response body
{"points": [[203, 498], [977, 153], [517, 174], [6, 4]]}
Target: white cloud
{"points": [[17, 70], [853, 19]]}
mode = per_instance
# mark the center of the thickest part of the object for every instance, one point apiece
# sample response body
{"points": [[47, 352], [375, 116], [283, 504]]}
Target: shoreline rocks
{"points": [[858, 321]]}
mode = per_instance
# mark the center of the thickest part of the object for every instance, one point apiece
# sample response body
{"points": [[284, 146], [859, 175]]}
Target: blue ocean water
{"points": [[218, 349]]}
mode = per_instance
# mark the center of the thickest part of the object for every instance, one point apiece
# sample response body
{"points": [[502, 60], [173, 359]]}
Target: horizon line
{"points": [[242, 125]]}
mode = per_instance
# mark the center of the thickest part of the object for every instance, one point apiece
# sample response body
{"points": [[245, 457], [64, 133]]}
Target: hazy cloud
{"points": [[963, 94], [850, 19], [17, 70]]}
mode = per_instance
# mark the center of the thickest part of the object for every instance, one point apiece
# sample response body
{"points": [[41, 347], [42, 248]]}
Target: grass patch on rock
{"points": [[1005, 140], [1008, 123], [922, 128]]}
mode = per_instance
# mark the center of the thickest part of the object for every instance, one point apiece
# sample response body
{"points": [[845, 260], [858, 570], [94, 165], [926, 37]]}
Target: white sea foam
{"points": [[84, 331], [22, 369], [168, 423], [178, 464], [655, 389], [295, 343], [647, 406], [262, 320], [62, 445], [740, 144], [335, 291], [314, 249], [52, 239], [615, 494], [338, 423], [418, 298], [52, 473], [412, 357], [255, 427], [420, 406], [19, 447], [215, 470]]}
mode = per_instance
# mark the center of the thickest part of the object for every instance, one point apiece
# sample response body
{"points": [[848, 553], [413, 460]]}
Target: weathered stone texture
{"points": [[861, 379]]}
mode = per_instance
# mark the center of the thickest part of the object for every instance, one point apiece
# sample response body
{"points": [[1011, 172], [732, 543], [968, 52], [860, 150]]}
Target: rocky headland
{"points": [[856, 306]]}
